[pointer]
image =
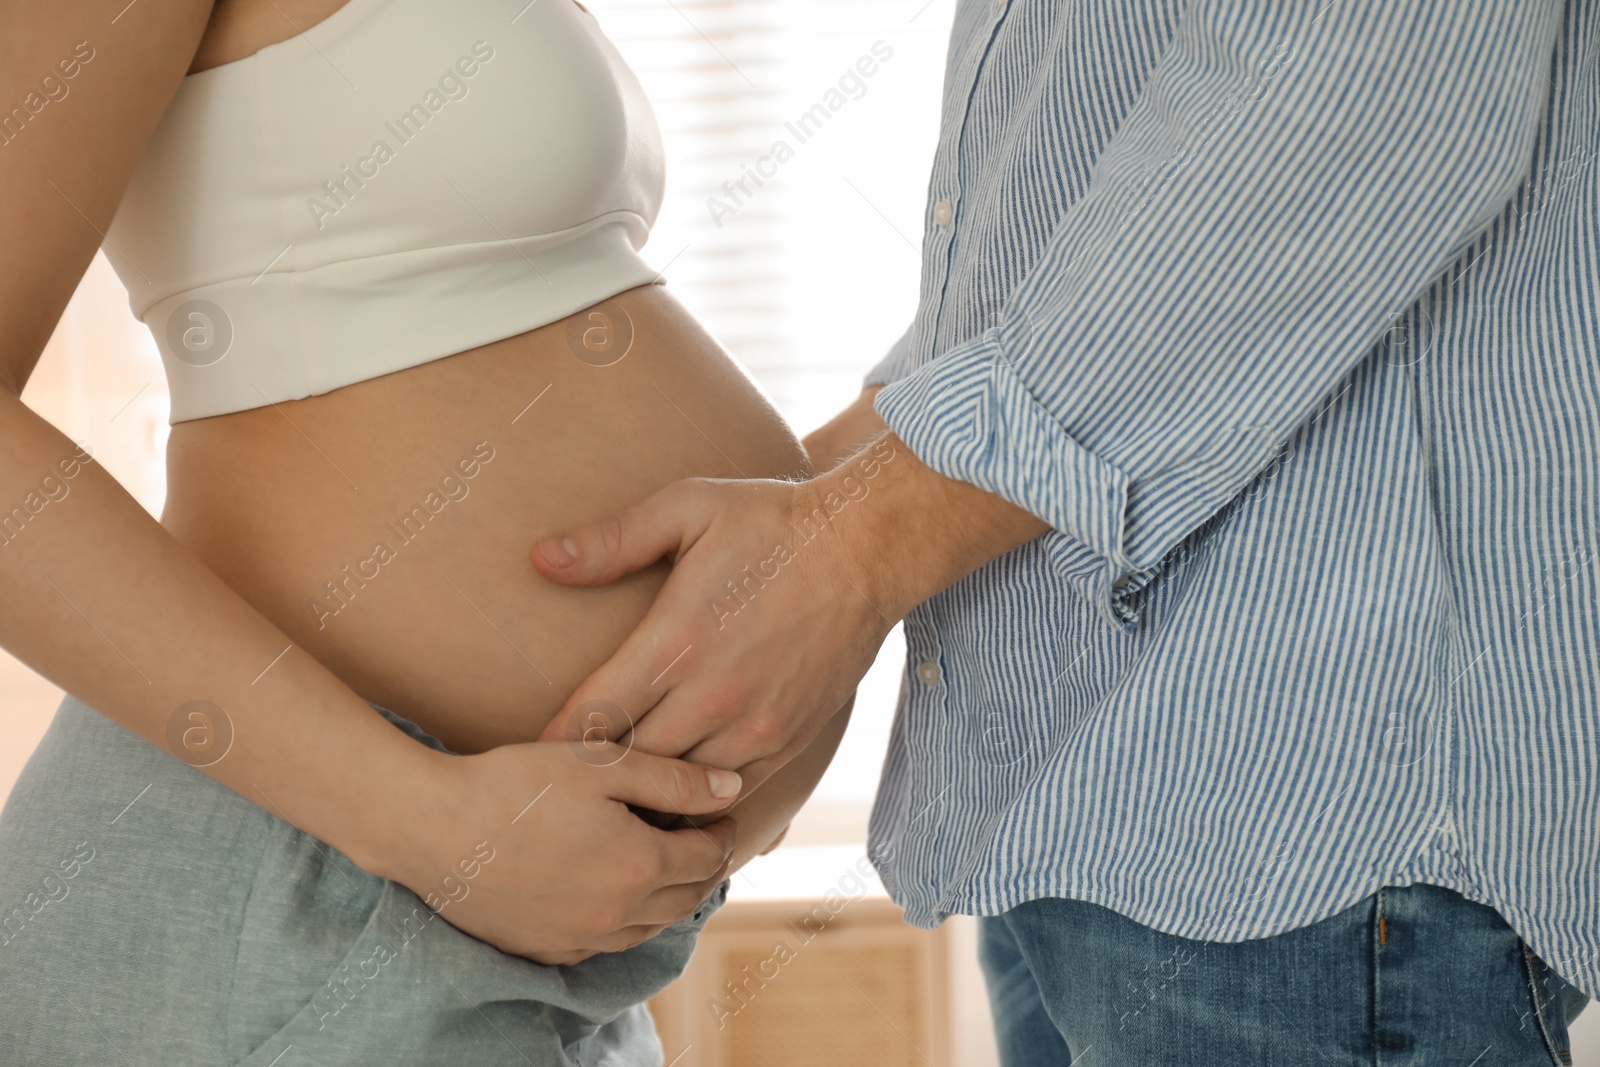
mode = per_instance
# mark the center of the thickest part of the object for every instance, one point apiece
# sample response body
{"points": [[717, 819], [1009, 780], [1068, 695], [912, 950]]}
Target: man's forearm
{"points": [[843, 435], [916, 531]]}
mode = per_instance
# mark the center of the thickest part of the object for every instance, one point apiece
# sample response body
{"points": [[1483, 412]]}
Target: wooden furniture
{"points": [[810, 963]]}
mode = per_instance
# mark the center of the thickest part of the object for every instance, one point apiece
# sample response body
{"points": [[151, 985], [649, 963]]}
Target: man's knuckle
{"points": [[765, 733]]}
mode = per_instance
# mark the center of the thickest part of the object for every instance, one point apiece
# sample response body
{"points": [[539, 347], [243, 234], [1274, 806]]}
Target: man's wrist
{"points": [[843, 435], [912, 531]]}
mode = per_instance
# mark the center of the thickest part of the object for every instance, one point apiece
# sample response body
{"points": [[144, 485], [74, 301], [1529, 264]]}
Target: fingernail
{"points": [[724, 784], [559, 553]]}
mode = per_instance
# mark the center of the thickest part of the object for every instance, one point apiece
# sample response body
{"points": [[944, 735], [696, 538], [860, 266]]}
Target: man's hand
{"points": [[756, 639], [779, 598]]}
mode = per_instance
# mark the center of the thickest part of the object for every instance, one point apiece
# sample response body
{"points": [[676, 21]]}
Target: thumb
{"points": [[620, 544], [670, 785]]}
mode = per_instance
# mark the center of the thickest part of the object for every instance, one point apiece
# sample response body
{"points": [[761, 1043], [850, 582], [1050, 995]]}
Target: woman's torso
{"points": [[385, 526]]}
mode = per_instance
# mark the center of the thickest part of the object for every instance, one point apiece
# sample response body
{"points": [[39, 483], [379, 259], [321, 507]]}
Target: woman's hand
{"points": [[533, 849]]}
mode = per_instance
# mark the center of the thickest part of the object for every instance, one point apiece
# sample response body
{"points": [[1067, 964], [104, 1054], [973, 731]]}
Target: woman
{"points": [[391, 264]]}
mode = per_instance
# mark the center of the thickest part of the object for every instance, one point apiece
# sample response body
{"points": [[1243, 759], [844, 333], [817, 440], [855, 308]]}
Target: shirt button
{"points": [[928, 672], [943, 212]]}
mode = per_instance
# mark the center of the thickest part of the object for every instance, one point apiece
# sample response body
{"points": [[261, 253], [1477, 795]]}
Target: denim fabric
{"points": [[149, 915], [1409, 977]]}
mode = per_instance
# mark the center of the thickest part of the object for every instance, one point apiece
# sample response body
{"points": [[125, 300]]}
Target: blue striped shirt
{"points": [[1283, 315]]}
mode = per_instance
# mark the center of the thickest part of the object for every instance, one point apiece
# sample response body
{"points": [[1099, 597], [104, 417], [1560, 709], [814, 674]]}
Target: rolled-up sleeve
{"points": [[1291, 176], [896, 363]]}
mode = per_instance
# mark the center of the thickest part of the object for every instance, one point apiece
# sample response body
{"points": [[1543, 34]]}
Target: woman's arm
{"points": [[100, 599]]}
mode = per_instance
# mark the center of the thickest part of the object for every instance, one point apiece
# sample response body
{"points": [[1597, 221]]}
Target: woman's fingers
{"points": [[697, 856], [579, 871], [669, 785], [678, 902]]}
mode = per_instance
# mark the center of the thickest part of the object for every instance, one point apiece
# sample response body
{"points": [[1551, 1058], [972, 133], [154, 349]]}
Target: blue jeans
{"points": [[1416, 976]]}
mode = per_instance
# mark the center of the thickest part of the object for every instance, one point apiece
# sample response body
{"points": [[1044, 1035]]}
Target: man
{"points": [[1237, 483]]}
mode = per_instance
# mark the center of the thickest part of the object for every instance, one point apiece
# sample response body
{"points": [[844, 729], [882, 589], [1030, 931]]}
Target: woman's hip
{"points": [[150, 912]]}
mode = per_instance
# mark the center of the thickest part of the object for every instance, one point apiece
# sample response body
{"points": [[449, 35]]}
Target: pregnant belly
{"points": [[385, 526]]}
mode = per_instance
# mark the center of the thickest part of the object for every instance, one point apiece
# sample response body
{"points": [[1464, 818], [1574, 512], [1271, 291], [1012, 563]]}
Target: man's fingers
{"points": [[671, 785], [619, 695], [619, 544]]}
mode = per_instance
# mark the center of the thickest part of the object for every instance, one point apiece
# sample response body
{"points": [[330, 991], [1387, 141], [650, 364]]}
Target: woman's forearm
{"points": [[105, 603], [98, 597]]}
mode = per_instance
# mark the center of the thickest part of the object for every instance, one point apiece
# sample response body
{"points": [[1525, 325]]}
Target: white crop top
{"points": [[405, 180]]}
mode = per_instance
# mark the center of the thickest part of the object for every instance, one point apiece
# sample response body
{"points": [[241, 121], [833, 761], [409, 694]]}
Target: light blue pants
{"points": [[149, 915]]}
